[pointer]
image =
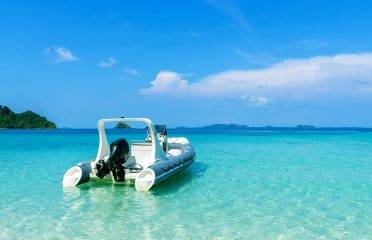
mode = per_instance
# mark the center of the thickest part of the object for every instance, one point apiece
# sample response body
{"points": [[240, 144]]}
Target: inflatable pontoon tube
{"points": [[161, 171], [77, 175]]}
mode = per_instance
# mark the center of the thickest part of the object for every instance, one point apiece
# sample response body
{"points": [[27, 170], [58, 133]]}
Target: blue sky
{"points": [[189, 63]]}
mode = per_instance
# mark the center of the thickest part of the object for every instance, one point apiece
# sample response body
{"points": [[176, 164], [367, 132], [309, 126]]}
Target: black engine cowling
{"points": [[119, 151]]}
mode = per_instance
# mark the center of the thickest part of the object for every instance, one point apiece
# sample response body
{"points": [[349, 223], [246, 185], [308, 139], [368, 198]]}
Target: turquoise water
{"points": [[247, 185]]}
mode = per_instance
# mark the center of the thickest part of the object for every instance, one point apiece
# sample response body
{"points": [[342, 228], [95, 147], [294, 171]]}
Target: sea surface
{"points": [[243, 185]]}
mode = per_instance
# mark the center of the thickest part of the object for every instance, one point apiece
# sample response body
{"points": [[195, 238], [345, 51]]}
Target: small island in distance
{"points": [[122, 125], [218, 127], [24, 120]]}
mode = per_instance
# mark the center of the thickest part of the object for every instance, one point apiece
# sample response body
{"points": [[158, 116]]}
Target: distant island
{"points": [[122, 125], [24, 120], [236, 126], [271, 128]]}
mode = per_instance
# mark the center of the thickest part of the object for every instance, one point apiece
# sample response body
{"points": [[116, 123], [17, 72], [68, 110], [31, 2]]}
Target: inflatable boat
{"points": [[147, 162]]}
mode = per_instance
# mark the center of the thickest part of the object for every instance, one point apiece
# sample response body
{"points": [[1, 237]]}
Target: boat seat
{"points": [[141, 153]]}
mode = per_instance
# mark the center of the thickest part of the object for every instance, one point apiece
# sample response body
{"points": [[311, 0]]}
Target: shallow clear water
{"points": [[250, 185]]}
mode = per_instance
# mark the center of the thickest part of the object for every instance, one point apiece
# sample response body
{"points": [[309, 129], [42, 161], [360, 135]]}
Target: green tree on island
{"points": [[122, 125], [25, 120]]}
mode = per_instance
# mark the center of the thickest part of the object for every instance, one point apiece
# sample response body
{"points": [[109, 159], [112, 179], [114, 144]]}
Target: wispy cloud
{"points": [[307, 43], [194, 34], [293, 78], [231, 8], [131, 71], [261, 58], [108, 63], [59, 54], [312, 42], [256, 101]]}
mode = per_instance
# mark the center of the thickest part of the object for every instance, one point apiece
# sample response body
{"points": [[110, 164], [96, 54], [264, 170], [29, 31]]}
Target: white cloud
{"points": [[131, 71], [166, 82], [59, 54], [108, 63], [296, 78]]}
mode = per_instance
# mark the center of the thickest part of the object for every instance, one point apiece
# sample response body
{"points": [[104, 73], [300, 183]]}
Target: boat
{"points": [[147, 162]]}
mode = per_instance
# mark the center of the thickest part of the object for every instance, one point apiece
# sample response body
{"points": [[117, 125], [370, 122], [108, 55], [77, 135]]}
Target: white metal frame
{"points": [[104, 147]]}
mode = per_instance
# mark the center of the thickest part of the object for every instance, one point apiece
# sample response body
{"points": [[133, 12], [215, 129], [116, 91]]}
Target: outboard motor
{"points": [[119, 151]]}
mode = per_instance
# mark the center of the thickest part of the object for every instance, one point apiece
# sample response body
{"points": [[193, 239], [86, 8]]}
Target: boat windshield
{"points": [[161, 129]]}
